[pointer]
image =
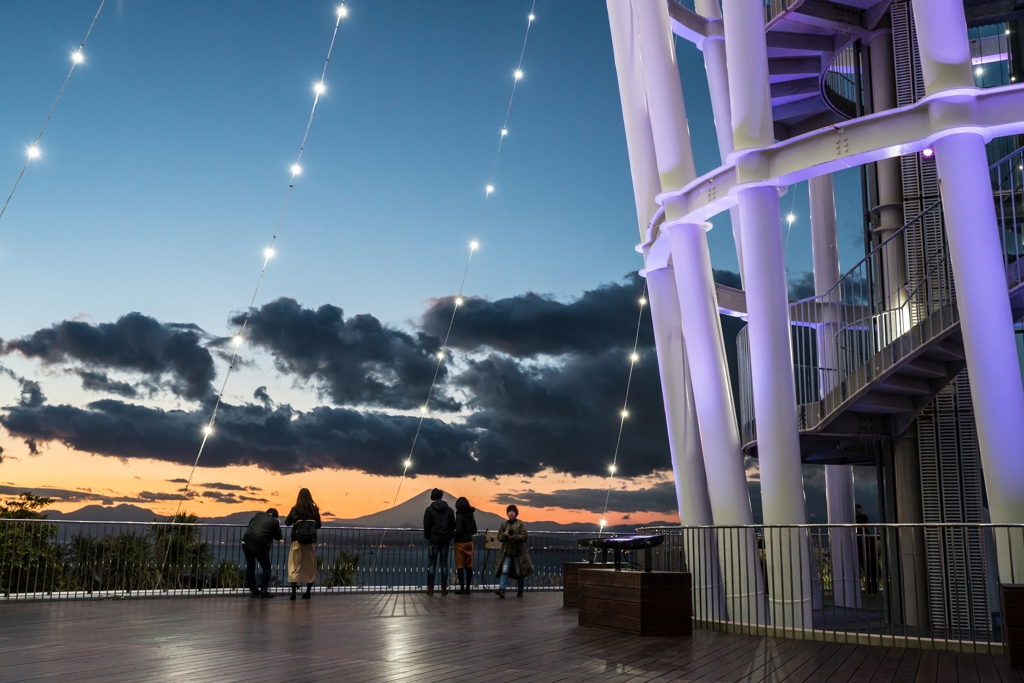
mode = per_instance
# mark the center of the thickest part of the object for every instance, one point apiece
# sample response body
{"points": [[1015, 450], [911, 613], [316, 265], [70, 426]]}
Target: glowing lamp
{"points": [[296, 169], [33, 152], [320, 88], [518, 74], [77, 57], [342, 12], [927, 152]]}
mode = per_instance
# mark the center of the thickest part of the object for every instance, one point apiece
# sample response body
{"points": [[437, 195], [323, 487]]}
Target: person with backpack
{"points": [[264, 528], [465, 527], [438, 527], [304, 520], [513, 559]]}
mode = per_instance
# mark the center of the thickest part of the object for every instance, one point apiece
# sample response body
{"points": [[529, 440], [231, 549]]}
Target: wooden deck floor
{"points": [[412, 638]]}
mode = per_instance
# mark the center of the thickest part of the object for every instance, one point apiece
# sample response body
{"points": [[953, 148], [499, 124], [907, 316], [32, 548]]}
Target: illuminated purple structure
{"points": [[861, 372]]}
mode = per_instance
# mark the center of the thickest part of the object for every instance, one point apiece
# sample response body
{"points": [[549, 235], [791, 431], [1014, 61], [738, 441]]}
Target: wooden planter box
{"points": [[571, 582], [1011, 599], [641, 603]]}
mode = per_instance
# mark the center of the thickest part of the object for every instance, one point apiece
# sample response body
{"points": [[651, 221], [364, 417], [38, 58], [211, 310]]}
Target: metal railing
{"points": [[842, 83], [776, 8], [898, 585], [886, 308], [43, 559]]}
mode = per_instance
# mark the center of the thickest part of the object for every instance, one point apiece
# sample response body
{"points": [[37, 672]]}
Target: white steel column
{"points": [[723, 458], [684, 437], [718, 86], [838, 478], [973, 234], [771, 362]]}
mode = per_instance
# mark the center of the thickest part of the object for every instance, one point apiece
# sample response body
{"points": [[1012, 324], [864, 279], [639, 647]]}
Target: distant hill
{"points": [[407, 514]]}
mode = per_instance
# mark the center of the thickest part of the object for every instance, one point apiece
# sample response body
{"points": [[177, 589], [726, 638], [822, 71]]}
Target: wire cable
{"points": [[76, 59], [633, 358]]}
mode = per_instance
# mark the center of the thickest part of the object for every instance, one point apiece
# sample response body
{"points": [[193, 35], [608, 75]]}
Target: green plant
{"points": [[227, 574], [30, 558], [183, 559], [342, 571]]}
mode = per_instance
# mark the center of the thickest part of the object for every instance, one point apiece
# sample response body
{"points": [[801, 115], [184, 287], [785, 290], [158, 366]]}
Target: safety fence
{"points": [[50, 560], [929, 586]]}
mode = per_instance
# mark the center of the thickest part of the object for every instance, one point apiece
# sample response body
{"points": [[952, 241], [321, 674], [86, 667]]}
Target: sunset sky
{"points": [[134, 243]]}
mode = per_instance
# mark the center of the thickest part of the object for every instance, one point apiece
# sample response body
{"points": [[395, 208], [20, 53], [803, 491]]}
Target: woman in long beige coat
{"points": [[304, 519]]}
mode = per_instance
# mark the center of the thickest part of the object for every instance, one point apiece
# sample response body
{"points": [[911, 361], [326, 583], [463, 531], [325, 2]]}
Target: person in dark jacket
{"points": [[264, 528], [465, 527], [438, 527], [514, 558], [304, 519]]}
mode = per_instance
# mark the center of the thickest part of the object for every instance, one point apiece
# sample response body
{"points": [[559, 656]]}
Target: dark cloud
{"points": [[356, 360], [532, 324], [263, 397], [727, 278], [659, 498], [226, 487], [231, 498], [98, 381], [134, 343], [801, 285], [89, 496]]}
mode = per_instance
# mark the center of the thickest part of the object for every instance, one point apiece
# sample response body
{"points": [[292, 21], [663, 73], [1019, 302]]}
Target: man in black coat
{"points": [[264, 528], [438, 527]]}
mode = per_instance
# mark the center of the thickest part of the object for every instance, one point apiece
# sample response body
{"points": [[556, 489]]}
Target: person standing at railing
{"points": [[513, 559], [304, 519], [465, 527], [438, 527], [264, 528]]}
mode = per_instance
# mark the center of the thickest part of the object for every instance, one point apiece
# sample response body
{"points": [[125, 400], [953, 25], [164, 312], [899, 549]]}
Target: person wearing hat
{"points": [[514, 558]]}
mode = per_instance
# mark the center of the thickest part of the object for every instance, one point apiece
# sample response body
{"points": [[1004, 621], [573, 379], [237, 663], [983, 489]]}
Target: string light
{"points": [[634, 357], [319, 88], [76, 59], [927, 152], [531, 18], [237, 339], [268, 253], [980, 71], [440, 355], [790, 218], [474, 245], [408, 464]]}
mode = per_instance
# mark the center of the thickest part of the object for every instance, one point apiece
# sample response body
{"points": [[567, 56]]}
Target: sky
{"points": [[135, 240]]}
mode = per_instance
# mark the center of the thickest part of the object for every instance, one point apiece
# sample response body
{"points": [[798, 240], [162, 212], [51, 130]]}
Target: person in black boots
{"points": [[438, 527], [264, 528], [304, 519], [465, 527]]}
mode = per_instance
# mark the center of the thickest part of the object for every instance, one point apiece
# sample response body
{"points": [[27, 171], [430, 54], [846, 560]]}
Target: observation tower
{"points": [[905, 362]]}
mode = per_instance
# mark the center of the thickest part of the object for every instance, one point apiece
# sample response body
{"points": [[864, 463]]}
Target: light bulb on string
{"points": [[208, 430], [440, 355], [490, 189], [342, 12], [77, 57], [611, 468], [237, 339], [296, 170], [790, 218], [531, 18], [408, 464], [269, 253], [603, 523], [458, 301], [474, 245], [634, 357], [504, 132], [643, 301], [980, 71], [320, 88], [518, 74], [423, 409], [927, 152], [33, 152], [625, 414]]}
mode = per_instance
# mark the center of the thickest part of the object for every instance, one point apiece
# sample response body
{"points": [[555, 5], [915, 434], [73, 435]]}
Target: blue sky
{"points": [[166, 161], [165, 164]]}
